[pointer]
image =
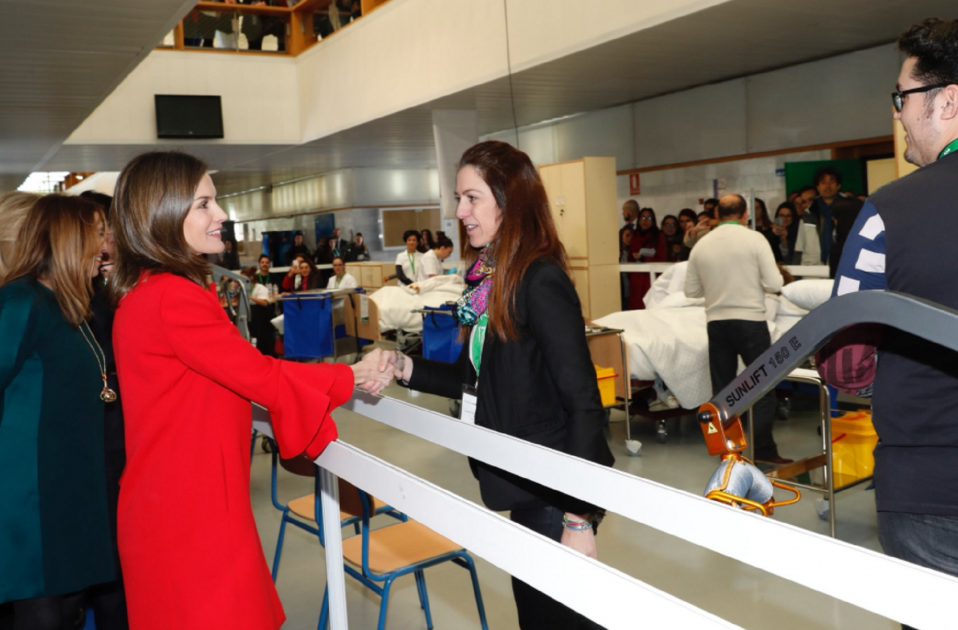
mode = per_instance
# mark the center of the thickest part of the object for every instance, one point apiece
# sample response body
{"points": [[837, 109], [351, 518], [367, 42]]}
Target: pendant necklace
{"points": [[107, 395]]}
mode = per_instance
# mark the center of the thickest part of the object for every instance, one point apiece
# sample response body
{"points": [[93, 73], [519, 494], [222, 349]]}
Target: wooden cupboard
{"points": [[582, 198]]}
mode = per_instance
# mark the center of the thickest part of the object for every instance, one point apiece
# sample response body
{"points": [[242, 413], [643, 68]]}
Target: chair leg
{"points": [[385, 603], [324, 611], [424, 597], [279, 544], [475, 587]]}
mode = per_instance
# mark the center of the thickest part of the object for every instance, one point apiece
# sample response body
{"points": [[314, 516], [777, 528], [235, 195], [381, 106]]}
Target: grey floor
{"points": [[741, 594]]}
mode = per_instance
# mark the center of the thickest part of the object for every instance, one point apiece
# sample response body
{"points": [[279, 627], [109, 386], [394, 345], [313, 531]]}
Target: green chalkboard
{"points": [[800, 174]]}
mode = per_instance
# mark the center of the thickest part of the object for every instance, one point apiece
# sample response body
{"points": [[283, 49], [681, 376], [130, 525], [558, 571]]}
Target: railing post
{"points": [[335, 576], [178, 38]]}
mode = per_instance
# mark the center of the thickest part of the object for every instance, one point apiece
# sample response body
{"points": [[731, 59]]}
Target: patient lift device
{"points": [[737, 481]]}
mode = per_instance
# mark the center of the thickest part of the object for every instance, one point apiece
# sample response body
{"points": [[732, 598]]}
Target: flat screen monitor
{"points": [[182, 116]]}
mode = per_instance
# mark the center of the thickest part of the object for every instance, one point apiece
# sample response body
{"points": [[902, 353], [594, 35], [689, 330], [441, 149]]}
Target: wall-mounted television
{"points": [[185, 117]]}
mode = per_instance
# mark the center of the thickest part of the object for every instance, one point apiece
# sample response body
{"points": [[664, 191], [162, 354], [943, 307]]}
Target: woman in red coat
{"points": [[648, 245], [188, 543]]}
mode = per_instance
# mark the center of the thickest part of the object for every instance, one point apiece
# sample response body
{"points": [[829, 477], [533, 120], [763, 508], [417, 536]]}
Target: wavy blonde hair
{"points": [[57, 241], [13, 208]]}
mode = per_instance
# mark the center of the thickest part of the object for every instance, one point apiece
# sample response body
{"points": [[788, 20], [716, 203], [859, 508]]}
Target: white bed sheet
{"points": [[397, 303], [670, 341]]}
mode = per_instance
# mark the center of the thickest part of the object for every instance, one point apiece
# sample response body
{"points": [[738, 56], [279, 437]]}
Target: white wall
{"points": [[259, 93], [833, 100]]}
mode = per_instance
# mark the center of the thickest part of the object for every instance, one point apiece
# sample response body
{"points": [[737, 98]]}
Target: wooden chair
{"points": [[380, 556]]}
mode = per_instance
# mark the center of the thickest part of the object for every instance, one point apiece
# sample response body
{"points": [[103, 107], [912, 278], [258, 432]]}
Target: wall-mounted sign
{"points": [[634, 187]]}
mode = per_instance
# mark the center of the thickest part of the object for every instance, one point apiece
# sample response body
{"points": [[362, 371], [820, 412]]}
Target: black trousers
{"points": [[728, 340], [538, 611]]}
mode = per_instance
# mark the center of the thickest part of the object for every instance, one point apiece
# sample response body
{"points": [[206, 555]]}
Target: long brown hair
{"points": [[58, 241], [526, 232], [13, 209], [154, 194]]}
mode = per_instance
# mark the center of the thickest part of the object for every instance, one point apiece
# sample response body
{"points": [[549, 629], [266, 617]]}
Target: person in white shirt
{"points": [[408, 263], [432, 260], [733, 268], [341, 279]]}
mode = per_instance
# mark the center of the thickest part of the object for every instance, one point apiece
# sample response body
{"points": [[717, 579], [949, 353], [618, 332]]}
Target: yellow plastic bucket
{"points": [[853, 444], [606, 377]]}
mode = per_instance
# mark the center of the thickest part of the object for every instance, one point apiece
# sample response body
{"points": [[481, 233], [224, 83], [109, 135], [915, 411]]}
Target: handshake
{"points": [[378, 369]]}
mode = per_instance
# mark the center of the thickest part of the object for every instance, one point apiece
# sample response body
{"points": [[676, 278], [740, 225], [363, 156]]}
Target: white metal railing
{"points": [[886, 586]]}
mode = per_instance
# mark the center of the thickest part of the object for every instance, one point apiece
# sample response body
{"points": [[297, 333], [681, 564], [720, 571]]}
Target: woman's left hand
{"points": [[583, 542]]}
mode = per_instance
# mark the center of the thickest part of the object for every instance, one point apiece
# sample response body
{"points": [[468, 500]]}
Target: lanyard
{"points": [[951, 148], [412, 263], [478, 341], [729, 223], [263, 280], [338, 280]]}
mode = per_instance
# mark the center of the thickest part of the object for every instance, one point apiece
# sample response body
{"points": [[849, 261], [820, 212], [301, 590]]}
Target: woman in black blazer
{"points": [[525, 356]]}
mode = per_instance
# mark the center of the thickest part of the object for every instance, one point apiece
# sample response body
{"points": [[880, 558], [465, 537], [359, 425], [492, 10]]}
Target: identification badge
{"points": [[470, 401]]}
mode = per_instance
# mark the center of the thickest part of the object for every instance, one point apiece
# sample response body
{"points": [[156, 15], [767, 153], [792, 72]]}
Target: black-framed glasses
{"points": [[898, 98]]}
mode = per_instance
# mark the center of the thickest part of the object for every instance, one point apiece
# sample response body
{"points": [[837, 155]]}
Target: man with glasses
{"points": [[914, 383]]}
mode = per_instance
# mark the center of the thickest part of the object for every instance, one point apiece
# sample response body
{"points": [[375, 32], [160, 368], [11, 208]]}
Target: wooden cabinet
{"points": [[582, 198]]}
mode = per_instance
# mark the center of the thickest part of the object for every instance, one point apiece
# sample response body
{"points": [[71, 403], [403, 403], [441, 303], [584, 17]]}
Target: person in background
{"points": [[192, 558], [706, 218], [337, 244], [630, 215], [426, 241], [298, 249], [323, 256], [804, 199], [687, 220], [310, 279], [765, 227], [357, 252], [791, 196], [14, 207], [432, 260], [408, 262], [733, 269], [230, 256], [261, 307], [786, 229], [341, 279], [832, 215], [108, 601], [913, 382], [673, 238], [54, 519], [648, 245], [527, 352], [625, 253], [293, 280], [262, 272]]}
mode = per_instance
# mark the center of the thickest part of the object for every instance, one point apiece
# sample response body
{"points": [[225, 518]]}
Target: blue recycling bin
{"points": [[308, 326], [440, 335]]}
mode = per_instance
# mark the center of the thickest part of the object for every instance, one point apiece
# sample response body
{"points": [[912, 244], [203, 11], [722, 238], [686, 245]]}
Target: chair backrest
{"points": [[298, 466], [350, 501]]}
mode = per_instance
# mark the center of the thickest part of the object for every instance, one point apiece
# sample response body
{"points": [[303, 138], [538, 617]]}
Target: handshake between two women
{"points": [[379, 368]]}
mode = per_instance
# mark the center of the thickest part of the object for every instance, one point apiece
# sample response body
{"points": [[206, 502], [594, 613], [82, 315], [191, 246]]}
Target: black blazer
{"points": [[541, 387]]}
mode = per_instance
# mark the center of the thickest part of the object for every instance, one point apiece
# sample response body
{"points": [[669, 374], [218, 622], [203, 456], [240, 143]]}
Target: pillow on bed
{"points": [[808, 294], [671, 281], [679, 300]]}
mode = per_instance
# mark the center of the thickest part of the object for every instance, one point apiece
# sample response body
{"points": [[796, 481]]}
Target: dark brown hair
{"points": [[526, 232], [153, 196], [58, 241]]}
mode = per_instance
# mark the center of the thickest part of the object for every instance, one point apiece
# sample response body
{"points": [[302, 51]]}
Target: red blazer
{"points": [[188, 543]]}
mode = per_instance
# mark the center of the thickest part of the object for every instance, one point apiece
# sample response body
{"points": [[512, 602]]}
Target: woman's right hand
{"points": [[396, 364], [367, 374]]}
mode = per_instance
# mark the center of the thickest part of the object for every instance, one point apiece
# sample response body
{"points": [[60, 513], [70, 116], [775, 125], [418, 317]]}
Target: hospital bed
{"points": [[669, 341]]}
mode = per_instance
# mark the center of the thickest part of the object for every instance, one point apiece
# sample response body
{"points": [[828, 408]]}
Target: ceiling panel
{"points": [[734, 39], [61, 58]]}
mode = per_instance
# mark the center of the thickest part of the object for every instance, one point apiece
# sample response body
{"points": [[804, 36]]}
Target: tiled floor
{"points": [[741, 594]]}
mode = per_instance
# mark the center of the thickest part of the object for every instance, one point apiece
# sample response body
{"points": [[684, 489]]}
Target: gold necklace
{"points": [[107, 395]]}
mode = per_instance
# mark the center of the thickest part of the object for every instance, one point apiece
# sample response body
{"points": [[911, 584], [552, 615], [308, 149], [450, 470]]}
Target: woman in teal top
{"points": [[54, 531]]}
